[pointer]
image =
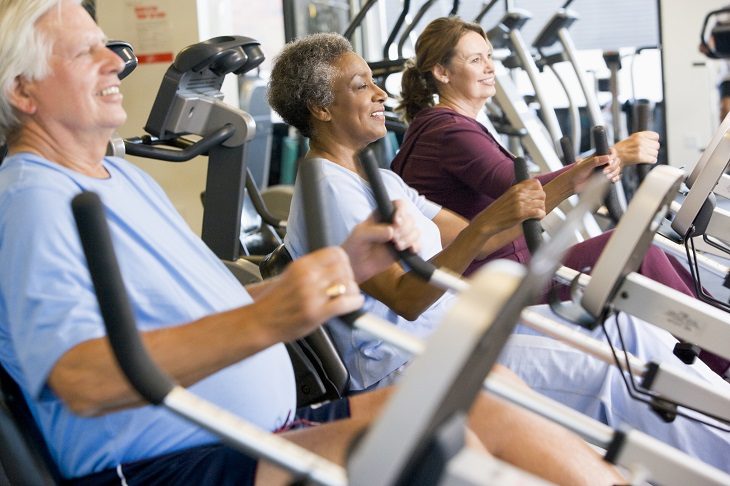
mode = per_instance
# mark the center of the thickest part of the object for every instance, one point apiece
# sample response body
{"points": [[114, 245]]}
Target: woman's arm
{"points": [[638, 148], [496, 225], [569, 181]]}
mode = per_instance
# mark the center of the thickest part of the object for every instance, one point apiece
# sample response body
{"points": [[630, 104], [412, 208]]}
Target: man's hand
{"points": [[369, 244], [310, 291]]}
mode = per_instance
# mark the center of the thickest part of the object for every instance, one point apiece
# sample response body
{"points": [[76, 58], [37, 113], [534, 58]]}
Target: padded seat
{"points": [[320, 372], [24, 456]]}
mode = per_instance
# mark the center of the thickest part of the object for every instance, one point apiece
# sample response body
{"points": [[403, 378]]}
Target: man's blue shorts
{"points": [[210, 464]]}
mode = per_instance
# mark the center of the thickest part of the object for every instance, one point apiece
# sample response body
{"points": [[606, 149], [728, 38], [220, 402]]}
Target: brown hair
{"points": [[434, 46]]}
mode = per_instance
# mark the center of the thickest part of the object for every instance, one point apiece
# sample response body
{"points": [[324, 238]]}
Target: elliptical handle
{"points": [[408, 258], [613, 204], [643, 116], [138, 367], [530, 227], [600, 140], [566, 144]]}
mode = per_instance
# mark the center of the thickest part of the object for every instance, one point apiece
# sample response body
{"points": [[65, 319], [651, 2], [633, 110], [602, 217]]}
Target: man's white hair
{"points": [[24, 52]]}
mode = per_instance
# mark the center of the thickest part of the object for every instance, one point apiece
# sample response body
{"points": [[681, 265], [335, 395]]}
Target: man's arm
{"points": [[88, 379]]}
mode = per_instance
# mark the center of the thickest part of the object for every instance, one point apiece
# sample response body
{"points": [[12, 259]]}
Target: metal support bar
{"points": [[594, 109], [719, 226], [682, 315], [546, 107], [224, 200]]}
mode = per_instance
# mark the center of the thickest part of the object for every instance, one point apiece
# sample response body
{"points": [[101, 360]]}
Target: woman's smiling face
{"points": [[358, 107]]}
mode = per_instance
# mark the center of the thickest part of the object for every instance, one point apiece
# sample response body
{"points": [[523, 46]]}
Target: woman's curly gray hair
{"points": [[303, 76]]}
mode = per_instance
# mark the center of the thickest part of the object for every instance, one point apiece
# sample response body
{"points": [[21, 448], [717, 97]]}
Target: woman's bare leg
{"points": [[510, 433], [538, 445]]}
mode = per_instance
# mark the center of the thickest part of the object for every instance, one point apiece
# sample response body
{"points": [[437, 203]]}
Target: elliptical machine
{"points": [[189, 102]]}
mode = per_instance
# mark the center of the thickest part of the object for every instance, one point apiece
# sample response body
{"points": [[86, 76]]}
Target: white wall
{"points": [[175, 25], [262, 20], [690, 91]]}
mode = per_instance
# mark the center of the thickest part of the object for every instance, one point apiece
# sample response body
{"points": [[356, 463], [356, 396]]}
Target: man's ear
{"points": [[20, 96], [320, 113]]}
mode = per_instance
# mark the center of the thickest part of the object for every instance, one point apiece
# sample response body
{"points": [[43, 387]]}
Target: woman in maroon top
{"points": [[453, 160]]}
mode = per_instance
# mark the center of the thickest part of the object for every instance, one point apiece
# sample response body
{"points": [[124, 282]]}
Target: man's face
{"points": [[81, 91]]}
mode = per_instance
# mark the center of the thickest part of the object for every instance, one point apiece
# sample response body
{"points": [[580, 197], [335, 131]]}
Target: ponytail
{"points": [[417, 90]]}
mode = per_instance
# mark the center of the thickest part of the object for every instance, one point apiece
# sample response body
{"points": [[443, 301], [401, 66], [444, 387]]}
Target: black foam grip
{"points": [[409, 259], [568, 153], [521, 172], [643, 117], [643, 122], [140, 370], [317, 232], [372, 172], [351, 317], [600, 141], [315, 217], [530, 227]]}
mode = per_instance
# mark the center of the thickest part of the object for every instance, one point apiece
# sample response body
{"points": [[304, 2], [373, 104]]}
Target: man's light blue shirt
{"points": [[48, 306]]}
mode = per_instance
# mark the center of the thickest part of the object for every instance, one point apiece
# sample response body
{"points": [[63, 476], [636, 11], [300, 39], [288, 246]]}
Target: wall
{"points": [[689, 80], [158, 29]]}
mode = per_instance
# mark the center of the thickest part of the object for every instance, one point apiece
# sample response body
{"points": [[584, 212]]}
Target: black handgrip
{"points": [[643, 115], [140, 370], [309, 175], [372, 173], [643, 122], [200, 147], [600, 141], [530, 227], [568, 153], [317, 229], [351, 317], [408, 258]]}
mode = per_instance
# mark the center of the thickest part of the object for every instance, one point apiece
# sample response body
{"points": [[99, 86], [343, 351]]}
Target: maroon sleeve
{"points": [[471, 155]]}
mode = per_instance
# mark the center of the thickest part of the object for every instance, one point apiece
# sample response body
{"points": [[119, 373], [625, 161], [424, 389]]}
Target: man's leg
{"points": [[329, 440]]}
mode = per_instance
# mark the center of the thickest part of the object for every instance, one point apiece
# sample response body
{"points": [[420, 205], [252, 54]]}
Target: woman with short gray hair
{"points": [[303, 76], [355, 118]]}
